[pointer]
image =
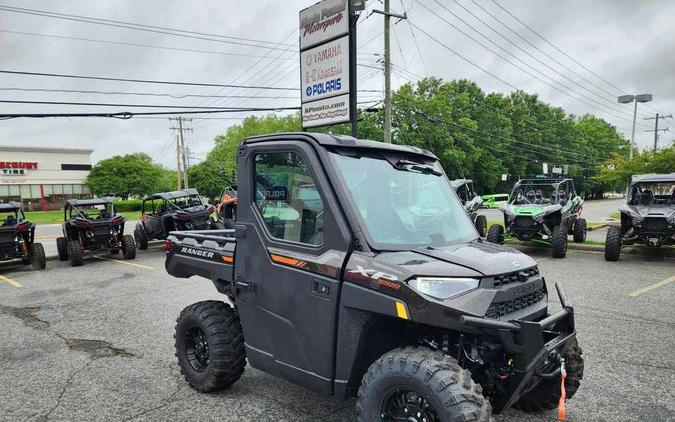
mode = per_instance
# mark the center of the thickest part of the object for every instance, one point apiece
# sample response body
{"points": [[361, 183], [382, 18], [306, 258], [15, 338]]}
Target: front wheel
{"points": [[141, 238], [62, 248], [210, 345], [75, 253], [546, 395], [481, 225], [579, 230], [418, 384], [496, 234], [613, 243], [559, 241], [38, 259], [128, 247]]}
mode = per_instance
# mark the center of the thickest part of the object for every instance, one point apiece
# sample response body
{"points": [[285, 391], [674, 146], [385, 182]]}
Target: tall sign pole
{"points": [[328, 63]]}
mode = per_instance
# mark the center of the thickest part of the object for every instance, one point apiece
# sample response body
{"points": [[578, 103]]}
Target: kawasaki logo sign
{"points": [[196, 252]]}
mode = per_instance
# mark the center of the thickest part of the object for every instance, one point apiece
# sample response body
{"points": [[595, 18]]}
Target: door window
{"points": [[287, 198]]}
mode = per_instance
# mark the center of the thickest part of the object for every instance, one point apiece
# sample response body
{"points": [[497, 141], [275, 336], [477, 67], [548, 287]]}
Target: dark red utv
{"points": [[17, 237]]}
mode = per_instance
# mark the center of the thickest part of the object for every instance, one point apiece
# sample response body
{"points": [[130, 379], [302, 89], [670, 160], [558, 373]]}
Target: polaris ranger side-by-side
{"points": [[92, 225], [17, 237], [167, 211], [471, 203], [647, 217], [542, 210], [374, 284]]}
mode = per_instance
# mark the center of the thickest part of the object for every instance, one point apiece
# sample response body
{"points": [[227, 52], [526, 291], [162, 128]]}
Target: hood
{"points": [[531, 210], [649, 210], [473, 259]]}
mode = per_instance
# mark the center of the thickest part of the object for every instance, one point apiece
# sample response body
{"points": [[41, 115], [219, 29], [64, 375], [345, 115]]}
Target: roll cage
{"points": [[14, 212], [547, 191], [167, 201], [77, 207]]}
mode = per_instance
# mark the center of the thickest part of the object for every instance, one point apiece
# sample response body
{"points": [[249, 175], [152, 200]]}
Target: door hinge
{"points": [[240, 231], [242, 284]]}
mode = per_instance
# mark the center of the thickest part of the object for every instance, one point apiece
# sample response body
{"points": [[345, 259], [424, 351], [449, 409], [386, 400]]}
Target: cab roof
{"points": [[11, 206], [175, 194], [330, 140], [458, 183], [653, 177], [85, 202]]}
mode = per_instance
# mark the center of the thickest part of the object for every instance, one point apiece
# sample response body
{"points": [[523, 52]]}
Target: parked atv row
{"points": [[647, 217], [542, 210]]}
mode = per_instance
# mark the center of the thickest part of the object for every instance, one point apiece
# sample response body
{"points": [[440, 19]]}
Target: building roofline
{"points": [[45, 149]]}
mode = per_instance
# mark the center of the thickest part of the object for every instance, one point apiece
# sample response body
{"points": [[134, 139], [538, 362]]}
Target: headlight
{"points": [[637, 218], [443, 288]]}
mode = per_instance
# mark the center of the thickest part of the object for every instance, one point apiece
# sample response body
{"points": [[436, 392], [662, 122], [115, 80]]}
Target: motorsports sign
{"points": [[324, 63]]}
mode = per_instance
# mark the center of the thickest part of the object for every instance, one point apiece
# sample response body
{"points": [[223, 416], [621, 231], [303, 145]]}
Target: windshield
{"points": [[652, 193], [93, 212], [538, 194], [187, 201], [410, 206]]}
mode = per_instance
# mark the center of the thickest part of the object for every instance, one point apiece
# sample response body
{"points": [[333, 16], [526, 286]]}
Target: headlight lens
{"points": [[539, 218], [637, 218], [443, 288]]}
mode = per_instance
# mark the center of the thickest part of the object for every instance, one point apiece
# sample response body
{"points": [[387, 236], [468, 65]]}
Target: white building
{"points": [[43, 178]]}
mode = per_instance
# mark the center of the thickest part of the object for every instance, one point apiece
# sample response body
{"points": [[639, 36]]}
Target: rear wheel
{"points": [[613, 243], [546, 395], [496, 234], [210, 345], [481, 225], [141, 238], [418, 384], [579, 230], [217, 225], [62, 248], [37, 256], [559, 241], [75, 253], [128, 247]]}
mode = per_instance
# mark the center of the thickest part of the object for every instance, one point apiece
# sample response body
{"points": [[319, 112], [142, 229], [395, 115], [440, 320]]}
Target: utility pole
{"points": [[178, 172], [656, 129], [181, 149], [387, 68]]}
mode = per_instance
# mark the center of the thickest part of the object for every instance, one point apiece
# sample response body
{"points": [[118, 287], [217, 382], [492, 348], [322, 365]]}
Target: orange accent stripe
{"points": [[228, 259], [288, 261]]}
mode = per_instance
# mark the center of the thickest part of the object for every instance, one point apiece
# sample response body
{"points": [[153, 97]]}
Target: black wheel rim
{"points": [[197, 349], [405, 404]]}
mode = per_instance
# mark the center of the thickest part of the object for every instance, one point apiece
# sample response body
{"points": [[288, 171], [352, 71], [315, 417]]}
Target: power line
{"points": [[105, 78], [525, 70], [149, 94], [128, 115], [117, 105], [559, 49], [189, 50], [140, 27], [611, 101]]}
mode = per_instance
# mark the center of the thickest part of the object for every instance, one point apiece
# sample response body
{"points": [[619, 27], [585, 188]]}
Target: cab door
{"points": [[291, 245]]}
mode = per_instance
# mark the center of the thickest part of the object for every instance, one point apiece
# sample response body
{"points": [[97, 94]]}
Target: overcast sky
{"points": [[630, 44]]}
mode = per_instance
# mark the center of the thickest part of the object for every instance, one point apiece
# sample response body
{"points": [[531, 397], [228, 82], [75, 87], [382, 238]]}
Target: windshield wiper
{"points": [[402, 164]]}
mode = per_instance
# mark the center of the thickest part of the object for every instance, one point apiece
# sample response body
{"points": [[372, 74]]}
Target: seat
{"points": [[647, 197], [562, 197], [9, 221], [531, 196], [538, 196]]}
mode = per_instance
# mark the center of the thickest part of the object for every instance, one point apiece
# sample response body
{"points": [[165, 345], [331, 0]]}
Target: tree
{"points": [[209, 178], [616, 173], [127, 175]]}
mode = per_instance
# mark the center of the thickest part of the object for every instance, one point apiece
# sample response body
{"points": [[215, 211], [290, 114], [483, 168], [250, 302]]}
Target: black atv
{"points": [[543, 210], [167, 211], [647, 217], [92, 225], [353, 270], [471, 203], [17, 237]]}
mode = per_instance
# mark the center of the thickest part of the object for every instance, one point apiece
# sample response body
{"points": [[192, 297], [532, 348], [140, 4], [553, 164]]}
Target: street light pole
{"points": [[641, 98]]}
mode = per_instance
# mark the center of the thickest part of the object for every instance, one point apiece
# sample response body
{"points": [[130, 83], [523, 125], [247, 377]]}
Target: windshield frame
{"points": [[392, 157]]}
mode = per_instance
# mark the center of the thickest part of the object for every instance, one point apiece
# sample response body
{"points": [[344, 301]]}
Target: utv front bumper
{"points": [[536, 348]]}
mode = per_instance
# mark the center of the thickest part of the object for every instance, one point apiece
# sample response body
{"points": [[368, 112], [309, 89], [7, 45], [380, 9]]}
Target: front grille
{"points": [[524, 222], [655, 223], [518, 276], [8, 248], [499, 309]]}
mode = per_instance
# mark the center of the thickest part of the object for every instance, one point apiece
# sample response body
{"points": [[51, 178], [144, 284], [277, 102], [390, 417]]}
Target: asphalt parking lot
{"points": [[96, 343]]}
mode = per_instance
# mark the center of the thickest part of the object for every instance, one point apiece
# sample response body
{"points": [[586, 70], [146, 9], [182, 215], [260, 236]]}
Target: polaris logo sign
{"points": [[196, 252]]}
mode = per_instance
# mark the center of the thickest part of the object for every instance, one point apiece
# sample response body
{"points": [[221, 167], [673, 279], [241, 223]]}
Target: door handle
{"points": [[243, 284], [320, 288]]}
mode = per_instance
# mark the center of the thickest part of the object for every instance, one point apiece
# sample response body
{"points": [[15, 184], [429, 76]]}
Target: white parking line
{"points": [[126, 263]]}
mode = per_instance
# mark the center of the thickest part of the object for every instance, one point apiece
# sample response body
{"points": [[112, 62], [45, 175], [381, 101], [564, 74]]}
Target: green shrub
{"points": [[127, 206]]}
